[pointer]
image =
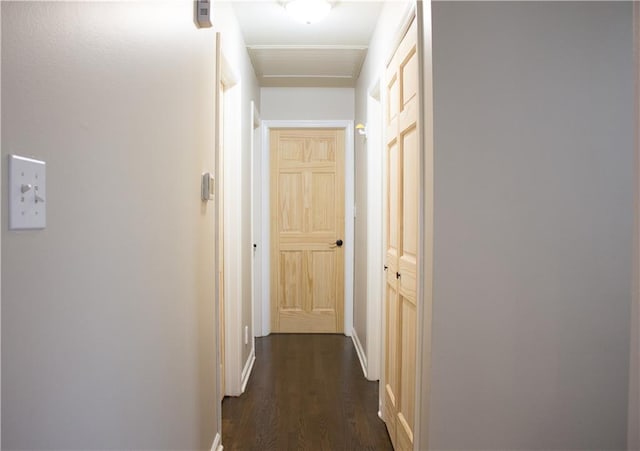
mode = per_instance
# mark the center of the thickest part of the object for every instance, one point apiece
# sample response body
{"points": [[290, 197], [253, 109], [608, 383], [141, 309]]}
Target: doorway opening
{"points": [[230, 229], [349, 225]]}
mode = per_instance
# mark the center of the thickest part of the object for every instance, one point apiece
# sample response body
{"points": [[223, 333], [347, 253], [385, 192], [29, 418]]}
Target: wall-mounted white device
{"points": [[208, 186], [202, 13], [27, 193]]}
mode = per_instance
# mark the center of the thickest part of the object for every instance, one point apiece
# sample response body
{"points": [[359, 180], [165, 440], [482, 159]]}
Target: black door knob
{"points": [[339, 243]]}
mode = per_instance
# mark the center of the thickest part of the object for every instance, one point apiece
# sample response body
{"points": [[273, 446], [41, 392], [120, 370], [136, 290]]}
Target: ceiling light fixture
{"points": [[308, 11]]}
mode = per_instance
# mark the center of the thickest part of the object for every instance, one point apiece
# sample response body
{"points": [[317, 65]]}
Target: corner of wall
{"points": [[248, 368], [360, 351], [217, 443], [633, 431], [1, 172]]}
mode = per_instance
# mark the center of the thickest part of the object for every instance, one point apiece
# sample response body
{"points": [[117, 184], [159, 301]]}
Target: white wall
{"points": [[238, 199], [533, 223], [108, 328], [369, 182], [307, 104]]}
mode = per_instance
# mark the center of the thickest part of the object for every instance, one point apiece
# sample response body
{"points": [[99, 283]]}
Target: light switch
{"points": [[208, 186], [27, 193]]}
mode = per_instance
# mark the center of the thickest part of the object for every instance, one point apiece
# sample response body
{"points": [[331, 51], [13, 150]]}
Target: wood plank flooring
{"points": [[307, 392]]}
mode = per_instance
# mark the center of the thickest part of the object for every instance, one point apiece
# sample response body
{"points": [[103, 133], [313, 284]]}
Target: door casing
{"points": [[349, 217], [229, 189]]}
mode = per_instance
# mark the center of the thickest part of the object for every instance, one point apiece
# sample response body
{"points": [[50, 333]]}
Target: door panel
{"points": [[323, 213], [393, 235], [409, 195], [291, 277], [406, 414], [322, 267], [290, 202], [401, 219], [307, 190]]}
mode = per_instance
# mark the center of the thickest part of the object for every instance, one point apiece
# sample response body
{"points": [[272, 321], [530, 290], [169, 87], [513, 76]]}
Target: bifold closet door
{"points": [[401, 217]]}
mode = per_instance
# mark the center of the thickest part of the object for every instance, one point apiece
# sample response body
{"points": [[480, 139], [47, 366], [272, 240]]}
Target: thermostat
{"points": [[202, 13]]}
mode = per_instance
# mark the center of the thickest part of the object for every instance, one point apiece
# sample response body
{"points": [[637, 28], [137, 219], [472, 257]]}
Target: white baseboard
{"points": [[217, 443], [246, 372], [361, 355]]}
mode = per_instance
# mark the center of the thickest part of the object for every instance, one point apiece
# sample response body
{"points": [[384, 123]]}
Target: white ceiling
{"points": [[287, 53]]}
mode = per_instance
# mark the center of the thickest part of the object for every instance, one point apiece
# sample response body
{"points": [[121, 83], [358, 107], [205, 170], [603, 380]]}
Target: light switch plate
{"points": [[27, 193], [208, 186]]}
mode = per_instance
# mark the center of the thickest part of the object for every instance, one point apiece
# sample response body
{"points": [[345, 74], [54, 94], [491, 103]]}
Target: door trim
{"points": [[232, 220], [425, 226], [375, 234], [256, 220], [217, 221], [349, 222]]}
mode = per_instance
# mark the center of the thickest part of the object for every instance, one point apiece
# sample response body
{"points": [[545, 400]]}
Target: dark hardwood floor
{"points": [[307, 392]]}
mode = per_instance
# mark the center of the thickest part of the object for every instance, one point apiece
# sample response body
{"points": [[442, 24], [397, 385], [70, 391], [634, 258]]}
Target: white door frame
{"points": [[217, 220], [256, 221], [349, 223], [375, 219], [232, 220], [426, 233]]}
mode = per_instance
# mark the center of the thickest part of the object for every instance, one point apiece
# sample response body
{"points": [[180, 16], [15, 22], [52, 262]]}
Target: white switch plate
{"points": [[208, 186], [27, 193]]}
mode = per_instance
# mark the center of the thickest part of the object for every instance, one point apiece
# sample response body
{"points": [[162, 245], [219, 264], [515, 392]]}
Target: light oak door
{"points": [[307, 230], [401, 262]]}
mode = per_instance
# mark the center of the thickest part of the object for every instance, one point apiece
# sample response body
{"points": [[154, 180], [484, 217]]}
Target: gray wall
{"points": [[533, 117], [108, 332], [313, 104], [634, 371]]}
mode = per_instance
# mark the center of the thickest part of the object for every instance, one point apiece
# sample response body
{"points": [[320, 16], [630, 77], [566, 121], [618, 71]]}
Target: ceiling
{"points": [[286, 53]]}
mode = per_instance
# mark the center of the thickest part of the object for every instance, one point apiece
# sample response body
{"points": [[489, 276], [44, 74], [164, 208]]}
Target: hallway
{"points": [[306, 392], [132, 298]]}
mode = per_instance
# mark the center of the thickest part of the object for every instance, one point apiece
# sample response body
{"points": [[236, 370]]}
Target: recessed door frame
{"points": [[256, 224], [349, 223], [375, 253], [231, 192]]}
